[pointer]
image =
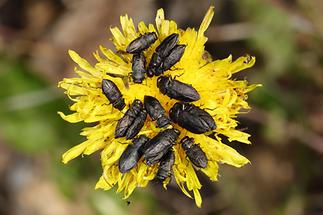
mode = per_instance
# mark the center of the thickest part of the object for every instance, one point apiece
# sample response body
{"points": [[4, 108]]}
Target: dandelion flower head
{"points": [[221, 97]]}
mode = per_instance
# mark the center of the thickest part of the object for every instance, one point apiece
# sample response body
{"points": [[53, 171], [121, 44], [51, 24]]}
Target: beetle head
{"points": [[187, 142], [175, 111], [174, 133], [137, 104], [163, 83]]}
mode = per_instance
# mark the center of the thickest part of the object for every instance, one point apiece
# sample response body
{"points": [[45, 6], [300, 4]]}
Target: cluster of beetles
{"points": [[186, 115]]}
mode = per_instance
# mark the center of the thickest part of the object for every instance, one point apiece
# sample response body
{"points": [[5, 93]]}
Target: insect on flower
{"points": [[174, 56], [132, 154], [116, 106], [194, 152], [156, 111], [113, 94], [137, 124], [141, 43], [138, 68], [159, 145], [177, 90], [165, 166], [129, 124], [161, 52], [192, 118]]}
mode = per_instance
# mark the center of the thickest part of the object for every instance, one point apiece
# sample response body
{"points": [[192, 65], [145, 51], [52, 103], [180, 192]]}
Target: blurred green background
{"points": [[286, 172]]}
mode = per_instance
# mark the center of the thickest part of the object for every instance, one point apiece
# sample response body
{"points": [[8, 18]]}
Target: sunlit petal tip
{"points": [[75, 56], [159, 16], [197, 197], [74, 152], [165, 183], [241, 162], [207, 20], [72, 118], [71, 52]]}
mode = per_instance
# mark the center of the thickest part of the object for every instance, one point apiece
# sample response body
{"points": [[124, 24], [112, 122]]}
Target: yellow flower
{"points": [[222, 97]]}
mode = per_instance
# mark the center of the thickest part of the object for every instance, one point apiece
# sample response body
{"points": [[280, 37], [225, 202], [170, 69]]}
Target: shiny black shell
{"points": [[175, 56], [167, 45], [161, 52], [141, 43], [126, 121], [165, 166], [158, 146], [192, 118], [113, 94], [138, 67], [136, 125], [132, 154], [156, 111], [194, 152], [154, 64], [177, 90]]}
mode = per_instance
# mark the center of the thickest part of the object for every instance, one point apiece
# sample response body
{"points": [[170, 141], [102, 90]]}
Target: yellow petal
{"points": [[211, 170], [206, 21], [166, 182], [235, 135], [118, 39], [242, 63], [72, 118], [94, 146], [128, 28], [142, 28], [74, 152], [159, 19], [102, 184], [83, 63], [197, 197]]}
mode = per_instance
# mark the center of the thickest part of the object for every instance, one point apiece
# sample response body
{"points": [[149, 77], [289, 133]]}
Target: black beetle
{"points": [[177, 90], [167, 45], [192, 118], [112, 92], [126, 121], [165, 166], [132, 154], [156, 111], [174, 56], [136, 125], [155, 62], [138, 67], [141, 43], [161, 52], [194, 152], [158, 146]]}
